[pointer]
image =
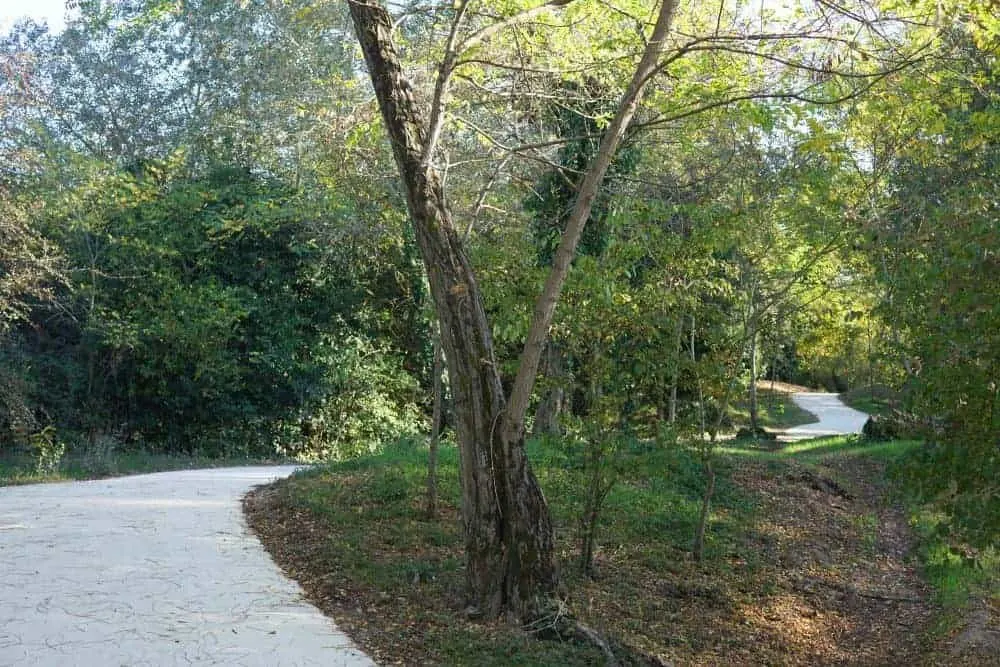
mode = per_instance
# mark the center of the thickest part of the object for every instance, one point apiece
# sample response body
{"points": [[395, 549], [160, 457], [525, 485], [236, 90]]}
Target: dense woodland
{"points": [[246, 229]]}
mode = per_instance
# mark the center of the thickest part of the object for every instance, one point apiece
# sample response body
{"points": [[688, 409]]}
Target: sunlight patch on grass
{"points": [[817, 449]]}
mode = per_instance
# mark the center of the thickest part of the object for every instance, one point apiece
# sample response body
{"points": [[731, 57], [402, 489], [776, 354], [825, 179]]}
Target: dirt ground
{"points": [[823, 577]]}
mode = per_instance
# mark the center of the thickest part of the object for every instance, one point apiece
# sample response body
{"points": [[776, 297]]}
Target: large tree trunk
{"points": [[508, 532], [510, 554]]}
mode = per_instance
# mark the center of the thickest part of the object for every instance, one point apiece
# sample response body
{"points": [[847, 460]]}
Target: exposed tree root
{"points": [[822, 484], [852, 590], [560, 625]]}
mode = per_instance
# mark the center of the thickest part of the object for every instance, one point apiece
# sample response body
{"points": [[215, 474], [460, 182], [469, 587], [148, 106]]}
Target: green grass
{"points": [[877, 400], [21, 468], [377, 556], [958, 572], [819, 450], [383, 546], [959, 562], [776, 410], [655, 502]]}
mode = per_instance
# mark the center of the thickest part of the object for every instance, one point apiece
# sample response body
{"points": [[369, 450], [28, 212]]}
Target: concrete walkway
{"points": [[835, 418], [155, 570]]}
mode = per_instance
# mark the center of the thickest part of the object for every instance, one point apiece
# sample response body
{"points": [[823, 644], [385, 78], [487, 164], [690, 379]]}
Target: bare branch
{"points": [[447, 66], [483, 193]]}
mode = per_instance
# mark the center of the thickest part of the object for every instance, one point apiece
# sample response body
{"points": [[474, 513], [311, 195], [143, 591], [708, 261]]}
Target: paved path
{"points": [[155, 570], [835, 418]]}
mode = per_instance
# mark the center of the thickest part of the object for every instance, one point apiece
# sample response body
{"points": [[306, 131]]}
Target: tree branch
{"points": [[447, 66], [527, 370], [477, 38]]}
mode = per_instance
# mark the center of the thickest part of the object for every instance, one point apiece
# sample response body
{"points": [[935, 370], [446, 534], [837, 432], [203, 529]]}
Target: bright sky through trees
{"points": [[43, 11]]}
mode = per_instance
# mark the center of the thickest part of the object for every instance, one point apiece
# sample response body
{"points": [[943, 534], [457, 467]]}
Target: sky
{"points": [[49, 11]]}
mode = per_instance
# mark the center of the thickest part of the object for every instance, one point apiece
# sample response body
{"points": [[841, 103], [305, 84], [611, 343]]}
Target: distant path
{"points": [[153, 570], [835, 418]]}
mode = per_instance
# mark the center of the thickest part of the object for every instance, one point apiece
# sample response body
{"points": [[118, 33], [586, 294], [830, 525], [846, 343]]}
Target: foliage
{"points": [[28, 264], [371, 402], [200, 297], [199, 316], [194, 301], [879, 428], [553, 196], [932, 242], [48, 450], [874, 399], [959, 560]]}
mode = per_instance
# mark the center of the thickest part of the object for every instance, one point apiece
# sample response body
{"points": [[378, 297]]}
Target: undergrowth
{"points": [[383, 547]]}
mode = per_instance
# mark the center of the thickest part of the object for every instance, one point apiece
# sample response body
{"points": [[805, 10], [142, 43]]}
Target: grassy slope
{"points": [[877, 400], [776, 410], [961, 575], [805, 563]]}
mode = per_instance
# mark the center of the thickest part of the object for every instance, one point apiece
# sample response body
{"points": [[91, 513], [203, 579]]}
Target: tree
{"points": [[509, 542], [28, 265], [124, 140], [931, 235], [509, 538]]}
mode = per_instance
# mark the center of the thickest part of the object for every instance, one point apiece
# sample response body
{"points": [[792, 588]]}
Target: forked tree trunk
{"points": [[508, 532], [510, 555]]}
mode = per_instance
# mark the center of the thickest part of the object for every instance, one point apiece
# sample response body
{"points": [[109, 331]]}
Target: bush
{"points": [[745, 433], [48, 450], [881, 428], [373, 401]]}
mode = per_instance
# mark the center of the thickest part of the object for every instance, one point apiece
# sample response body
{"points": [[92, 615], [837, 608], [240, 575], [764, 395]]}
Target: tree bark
{"points": [[754, 407], [551, 406], [675, 380], [698, 550], [510, 554]]}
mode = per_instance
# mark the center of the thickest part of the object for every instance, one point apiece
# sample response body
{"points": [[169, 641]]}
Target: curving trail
{"points": [[835, 418], [151, 570]]}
